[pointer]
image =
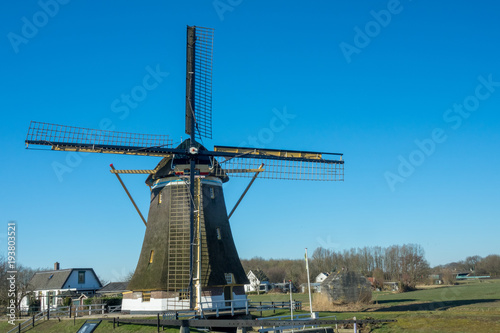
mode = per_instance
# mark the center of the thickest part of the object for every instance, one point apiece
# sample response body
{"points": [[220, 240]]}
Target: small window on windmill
{"points": [[146, 296], [219, 237], [184, 294], [229, 278], [151, 255], [160, 198], [212, 193]]}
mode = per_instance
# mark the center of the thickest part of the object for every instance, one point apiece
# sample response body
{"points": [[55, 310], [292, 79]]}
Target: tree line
{"points": [[405, 264], [402, 263]]}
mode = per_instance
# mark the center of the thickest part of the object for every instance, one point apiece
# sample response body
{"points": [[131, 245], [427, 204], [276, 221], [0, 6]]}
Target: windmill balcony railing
{"points": [[244, 304], [224, 305]]}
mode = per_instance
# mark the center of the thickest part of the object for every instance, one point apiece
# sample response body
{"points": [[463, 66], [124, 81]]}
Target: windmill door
{"points": [[228, 294]]}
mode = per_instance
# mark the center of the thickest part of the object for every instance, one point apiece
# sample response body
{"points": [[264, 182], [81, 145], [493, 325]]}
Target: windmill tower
{"points": [[188, 258]]}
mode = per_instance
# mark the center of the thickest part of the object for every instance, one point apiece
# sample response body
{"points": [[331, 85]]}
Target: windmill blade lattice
{"points": [[278, 163], [70, 138], [285, 169], [199, 81]]}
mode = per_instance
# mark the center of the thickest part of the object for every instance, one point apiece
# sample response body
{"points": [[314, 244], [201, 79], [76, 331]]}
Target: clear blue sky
{"points": [[409, 91]]}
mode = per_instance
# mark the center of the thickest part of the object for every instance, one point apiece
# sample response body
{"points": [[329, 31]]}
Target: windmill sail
{"points": [[279, 164], [199, 81], [70, 138]]}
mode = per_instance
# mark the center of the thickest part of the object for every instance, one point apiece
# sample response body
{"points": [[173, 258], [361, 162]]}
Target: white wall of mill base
{"points": [[174, 304]]}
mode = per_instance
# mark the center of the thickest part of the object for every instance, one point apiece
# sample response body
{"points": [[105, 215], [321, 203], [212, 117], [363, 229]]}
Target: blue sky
{"points": [[409, 91]]}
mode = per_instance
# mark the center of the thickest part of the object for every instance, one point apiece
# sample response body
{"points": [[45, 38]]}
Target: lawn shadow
{"points": [[434, 306], [394, 300]]}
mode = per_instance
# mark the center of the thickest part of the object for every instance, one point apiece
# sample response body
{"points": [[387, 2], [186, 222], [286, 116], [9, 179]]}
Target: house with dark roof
{"points": [[258, 281], [113, 288], [51, 287]]}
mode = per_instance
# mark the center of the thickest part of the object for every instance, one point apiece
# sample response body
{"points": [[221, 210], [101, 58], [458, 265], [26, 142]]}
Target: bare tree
{"points": [[489, 265], [471, 262]]}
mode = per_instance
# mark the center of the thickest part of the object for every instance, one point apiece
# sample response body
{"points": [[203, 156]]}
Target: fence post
{"points": [[260, 308], [355, 326], [48, 312], [114, 322], [102, 309], [274, 309], [19, 328], [184, 327]]}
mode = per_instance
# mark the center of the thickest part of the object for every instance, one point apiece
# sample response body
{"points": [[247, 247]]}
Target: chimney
{"points": [[56, 266]]}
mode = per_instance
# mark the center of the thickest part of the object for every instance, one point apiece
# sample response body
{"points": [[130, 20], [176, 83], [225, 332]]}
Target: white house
{"points": [[258, 279], [321, 277], [51, 287]]}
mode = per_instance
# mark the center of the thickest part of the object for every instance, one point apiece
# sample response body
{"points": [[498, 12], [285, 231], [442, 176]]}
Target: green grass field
{"points": [[471, 306]]}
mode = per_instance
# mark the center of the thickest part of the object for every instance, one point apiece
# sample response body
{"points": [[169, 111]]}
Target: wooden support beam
{"points": [[128, 193], [246, 190]]}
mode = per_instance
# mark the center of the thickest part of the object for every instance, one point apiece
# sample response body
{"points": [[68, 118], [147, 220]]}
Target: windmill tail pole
{"points": [[246, 190], [128, 193]]}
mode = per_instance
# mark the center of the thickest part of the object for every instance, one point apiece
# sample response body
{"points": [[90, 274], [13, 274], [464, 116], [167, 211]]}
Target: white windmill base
{"points": [[134, 303]]}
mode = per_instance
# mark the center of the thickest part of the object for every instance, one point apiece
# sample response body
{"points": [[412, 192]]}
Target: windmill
{"points": [[188, 253]]}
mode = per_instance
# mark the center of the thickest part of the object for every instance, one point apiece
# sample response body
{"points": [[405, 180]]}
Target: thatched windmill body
{"points": [[188, 257]]}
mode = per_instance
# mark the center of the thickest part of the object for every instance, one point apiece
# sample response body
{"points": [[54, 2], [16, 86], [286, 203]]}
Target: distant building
{"points": [[258, 282], [462, 275], [315, 287], [435, 279], [50, 288], [113, 289], [391, 285], [321, 277], [285, 287]]}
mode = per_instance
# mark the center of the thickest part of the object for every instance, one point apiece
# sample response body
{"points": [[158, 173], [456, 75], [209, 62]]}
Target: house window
{"points": [[81, 277], [50, 298], [212, 193], [146, 296], [151, 255], [229, 278], [218, 233]]}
